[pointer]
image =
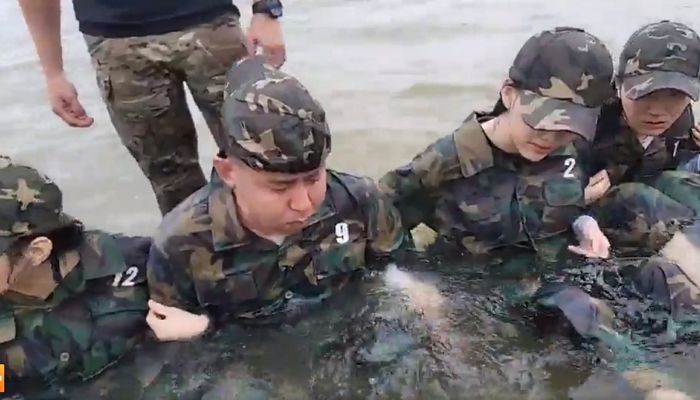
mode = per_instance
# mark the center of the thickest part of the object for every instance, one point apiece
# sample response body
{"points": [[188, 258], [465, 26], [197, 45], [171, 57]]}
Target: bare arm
{"points": [[266, 33], [43, 19]]}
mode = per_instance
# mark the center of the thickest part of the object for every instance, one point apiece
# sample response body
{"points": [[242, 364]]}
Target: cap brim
{"points": [[549, 114], [634, 87]]}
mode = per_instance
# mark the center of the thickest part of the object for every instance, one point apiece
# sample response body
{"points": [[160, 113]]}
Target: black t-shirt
{"points": [[123, 18]]}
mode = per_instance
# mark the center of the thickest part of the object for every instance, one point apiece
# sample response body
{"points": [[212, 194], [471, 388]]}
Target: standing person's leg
{"points": [[146, 101], [206, 57]]}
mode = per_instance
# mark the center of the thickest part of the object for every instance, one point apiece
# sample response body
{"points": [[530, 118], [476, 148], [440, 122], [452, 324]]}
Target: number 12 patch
{"points": [[130, 277]]}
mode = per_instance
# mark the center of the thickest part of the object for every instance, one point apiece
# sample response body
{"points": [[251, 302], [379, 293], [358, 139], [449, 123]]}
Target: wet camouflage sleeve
{"points": [[169, 274], [385, 232], [410, 187]]}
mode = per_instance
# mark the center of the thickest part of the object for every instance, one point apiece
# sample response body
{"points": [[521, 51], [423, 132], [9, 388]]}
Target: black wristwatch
{"points": [[272, 8]]}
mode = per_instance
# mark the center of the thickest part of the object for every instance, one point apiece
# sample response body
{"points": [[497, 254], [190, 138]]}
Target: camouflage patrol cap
{"points": [[564, 75], [272, 122], [661, 55], [29, 203]]}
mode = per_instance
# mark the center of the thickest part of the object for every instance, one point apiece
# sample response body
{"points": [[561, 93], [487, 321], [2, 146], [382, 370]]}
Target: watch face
{"points": [[276, 11]]}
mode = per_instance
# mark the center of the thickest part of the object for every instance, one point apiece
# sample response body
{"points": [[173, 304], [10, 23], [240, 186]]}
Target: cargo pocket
{"points": [[563, 203], [472, 219], [228, 287], [118, 321], [104, 83], [340, 253]]}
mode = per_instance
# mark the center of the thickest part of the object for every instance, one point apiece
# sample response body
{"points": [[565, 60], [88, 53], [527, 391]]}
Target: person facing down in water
{"points": [[275, 229], [72, 302], [646, 150], [512, 177]]}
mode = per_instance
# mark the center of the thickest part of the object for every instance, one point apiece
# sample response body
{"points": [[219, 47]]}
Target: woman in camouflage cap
{"points": [[647, 150], [72, 302], [645, 147], [511, 177]]}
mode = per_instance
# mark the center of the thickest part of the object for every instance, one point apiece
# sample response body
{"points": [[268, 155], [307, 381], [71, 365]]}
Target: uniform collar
{"points": [[473, 148]]}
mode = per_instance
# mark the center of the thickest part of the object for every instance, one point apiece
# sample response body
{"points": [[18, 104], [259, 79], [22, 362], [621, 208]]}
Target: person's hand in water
{"points": [[592, 241], [598, 185], [174, 324]]}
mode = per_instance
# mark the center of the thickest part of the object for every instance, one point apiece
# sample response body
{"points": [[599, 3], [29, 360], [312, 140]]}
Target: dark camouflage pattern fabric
{"points": [[204, 259], [142, 79], [590, 317], [637, 217], [76, 317], [564, 74], [29, 203], [618, 150], [651, 295], [473, 194], [674, 277], [661, 55], [681, 186], [272, 122]]}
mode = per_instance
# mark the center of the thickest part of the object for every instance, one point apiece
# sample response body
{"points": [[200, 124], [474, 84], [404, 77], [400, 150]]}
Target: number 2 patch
{"points": [[570, 164]]}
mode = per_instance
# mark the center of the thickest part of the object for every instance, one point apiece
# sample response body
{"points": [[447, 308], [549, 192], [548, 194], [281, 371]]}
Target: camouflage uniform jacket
{"points": [[203, 259], [79, 317], [617, 149], [472, 193]]}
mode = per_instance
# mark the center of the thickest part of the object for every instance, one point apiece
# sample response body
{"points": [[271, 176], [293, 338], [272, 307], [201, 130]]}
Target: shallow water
{"points": [[393, 76]]}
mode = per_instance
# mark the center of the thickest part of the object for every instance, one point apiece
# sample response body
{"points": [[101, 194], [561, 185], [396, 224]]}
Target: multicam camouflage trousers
{"points": [[141, 80]]}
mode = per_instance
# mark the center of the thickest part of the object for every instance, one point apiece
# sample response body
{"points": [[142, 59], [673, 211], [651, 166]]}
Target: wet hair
{"points": [[609, 118], [64, 239], [500, 107]]}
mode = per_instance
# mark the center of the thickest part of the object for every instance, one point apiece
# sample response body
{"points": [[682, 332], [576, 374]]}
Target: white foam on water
{"points": [[423, 297]]}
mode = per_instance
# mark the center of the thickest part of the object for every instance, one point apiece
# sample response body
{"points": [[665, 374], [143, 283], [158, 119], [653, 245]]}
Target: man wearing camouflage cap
{"points": [[645, 144], [72, 302], [511, 178], [274, 228]]}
